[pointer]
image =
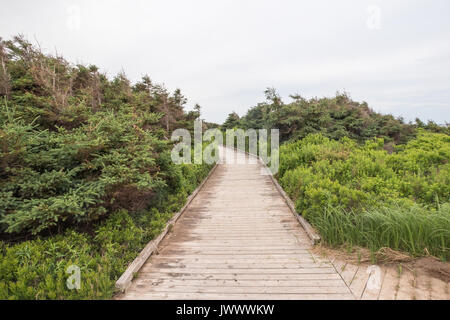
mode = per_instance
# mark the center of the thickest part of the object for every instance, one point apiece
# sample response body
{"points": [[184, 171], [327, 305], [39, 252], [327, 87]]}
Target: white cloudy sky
{"points": [[223, 54]]}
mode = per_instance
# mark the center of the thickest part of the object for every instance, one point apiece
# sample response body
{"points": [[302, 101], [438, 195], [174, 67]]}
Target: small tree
{"points": [[273, 97], [232, 121]]}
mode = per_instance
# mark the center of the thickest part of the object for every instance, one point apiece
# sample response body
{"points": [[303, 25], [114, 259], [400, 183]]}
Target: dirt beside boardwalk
{"points": [[432, 266], [402, 277], [388, 257]]}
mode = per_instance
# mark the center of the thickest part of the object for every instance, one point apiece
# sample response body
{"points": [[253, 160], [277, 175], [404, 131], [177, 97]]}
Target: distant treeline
{"points": [[334, 118], [360, 177]]}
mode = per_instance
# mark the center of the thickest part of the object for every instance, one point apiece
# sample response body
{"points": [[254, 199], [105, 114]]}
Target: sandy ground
{"points": [[395, 276]]}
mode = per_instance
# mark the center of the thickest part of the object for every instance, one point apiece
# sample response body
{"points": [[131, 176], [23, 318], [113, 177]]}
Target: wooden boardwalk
{"points": [[237, 240]]}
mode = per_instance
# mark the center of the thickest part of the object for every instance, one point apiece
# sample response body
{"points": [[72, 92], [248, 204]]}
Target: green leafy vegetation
{"points": [[363, 195], [334, 118], [360, 177], [86, 176]]}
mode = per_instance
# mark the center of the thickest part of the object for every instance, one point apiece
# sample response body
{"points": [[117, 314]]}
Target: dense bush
{"points": [[37, 269], [86, 176], [334, 117], [362, 178], [74, 176], [364, 195]]}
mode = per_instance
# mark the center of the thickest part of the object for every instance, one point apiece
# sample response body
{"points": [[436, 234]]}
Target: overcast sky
{"points": [[395, 54]]}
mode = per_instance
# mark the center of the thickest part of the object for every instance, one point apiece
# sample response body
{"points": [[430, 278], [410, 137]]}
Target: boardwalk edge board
{"points": [[312, 234], [125, 279]]}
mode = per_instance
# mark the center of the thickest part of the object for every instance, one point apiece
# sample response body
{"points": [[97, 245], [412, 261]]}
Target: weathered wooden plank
{"points": [[238, 238], [158, 274], [215, 252], [219, 233], [239, 283], [423, 287], [390, 286], [236, 246], [227, 260], [372, 291], [230, 238], [233, 243], [347, 271], [406, 286], [239, 289], [234, 266], [359, 281], [125, 279], [239, 296], [241, 271]]}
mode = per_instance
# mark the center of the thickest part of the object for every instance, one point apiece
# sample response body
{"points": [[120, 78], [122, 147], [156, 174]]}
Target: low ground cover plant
{"points": [[365, 195]]}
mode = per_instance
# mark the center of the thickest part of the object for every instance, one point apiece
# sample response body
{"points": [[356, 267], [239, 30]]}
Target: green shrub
{"points": [[85, 173], [37, 269], [335, 118], [361, 194]]}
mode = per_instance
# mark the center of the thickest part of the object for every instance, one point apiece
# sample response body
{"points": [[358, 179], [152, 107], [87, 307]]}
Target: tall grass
{"points": [[415, 230], [360, 194]]}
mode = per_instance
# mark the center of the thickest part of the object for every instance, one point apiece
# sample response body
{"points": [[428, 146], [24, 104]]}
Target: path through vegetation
{"points": [[237, 240]]}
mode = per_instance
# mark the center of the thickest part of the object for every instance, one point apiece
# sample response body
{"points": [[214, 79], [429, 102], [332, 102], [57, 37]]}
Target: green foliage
{"points": [[363, 195], [53, 177], [73, 151], [335, 118], [37, 269], [231, 122], [416, 229], [85, 172]]}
